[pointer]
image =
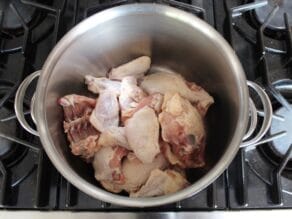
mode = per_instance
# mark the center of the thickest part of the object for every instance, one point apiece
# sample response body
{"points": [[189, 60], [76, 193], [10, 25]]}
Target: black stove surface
{"points": [[259, 177]]}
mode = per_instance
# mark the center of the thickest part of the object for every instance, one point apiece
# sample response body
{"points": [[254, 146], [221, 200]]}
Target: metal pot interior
{"points": [[175, 44]]}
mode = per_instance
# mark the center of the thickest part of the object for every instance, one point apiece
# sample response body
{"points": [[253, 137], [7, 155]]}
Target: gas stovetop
{"points": [[260, 32]]}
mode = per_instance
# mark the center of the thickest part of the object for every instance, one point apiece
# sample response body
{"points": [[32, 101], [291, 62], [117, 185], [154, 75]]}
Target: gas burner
{"points": [[275, 150], [10, 152], [263, 169], [281, 145], [243, 20], [278, 147], [15, 14], [277, 22], [266, 160]]}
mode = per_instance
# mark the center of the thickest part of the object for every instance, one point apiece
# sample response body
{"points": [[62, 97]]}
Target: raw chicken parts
{"points": [[76, 106], [135, 173], [182, 126], [98, 85], [169, 155], [163, 82], [204, 100], [140, 132], [161, 183], [136, 68], [107, 164], [130, 95], [153, 101], [114, 136], [80, 133], [106, 112]]}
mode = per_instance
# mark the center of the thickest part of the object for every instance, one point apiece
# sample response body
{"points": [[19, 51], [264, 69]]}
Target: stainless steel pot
{"points": [[176, 41]]}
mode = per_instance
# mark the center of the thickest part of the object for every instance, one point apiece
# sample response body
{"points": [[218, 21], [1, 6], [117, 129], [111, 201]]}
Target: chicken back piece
{"points": [[114, 136], [76, 106], [135, 173], [98, 85], [80, 133], [163, 82], [106, 111], [183, 128], [142, 131], [136, 68], [161, 183], [107, 164]]}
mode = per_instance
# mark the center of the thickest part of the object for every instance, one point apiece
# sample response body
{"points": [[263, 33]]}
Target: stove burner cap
{"points": [[281, 145], [10, 20], [277, 22]]}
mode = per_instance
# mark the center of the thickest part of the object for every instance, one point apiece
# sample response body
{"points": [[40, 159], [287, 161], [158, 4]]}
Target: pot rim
{"points": [[101, 17]]}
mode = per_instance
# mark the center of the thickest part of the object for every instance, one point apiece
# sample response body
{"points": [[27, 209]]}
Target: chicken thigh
{"points": [[98, 85], [106, 112], [135, 173], [142, 131], [204, 100], [107, 164], [114, 136], [163, 82], [161, 183], [136, 68], [169, 155], [182, 126]]}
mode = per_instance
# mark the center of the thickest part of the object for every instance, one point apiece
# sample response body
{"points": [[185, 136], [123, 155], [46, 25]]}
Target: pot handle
{"points": [[18, 104], [268, 112]]}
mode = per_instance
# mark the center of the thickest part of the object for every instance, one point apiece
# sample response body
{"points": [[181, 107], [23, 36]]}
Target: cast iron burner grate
{"points": [[50, 191], [13, 148], [30, 20], [252, 181], [272, 172], [277, 22], [10, 153]]}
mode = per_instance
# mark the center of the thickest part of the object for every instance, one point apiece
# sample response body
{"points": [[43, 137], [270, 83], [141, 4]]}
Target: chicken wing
{"points": [[182, 126], [114, 136], [163, 82], [106, 111], [137, 68], [98, 85], [142, 131], [161, 183], [130, 95], [107, 164]]}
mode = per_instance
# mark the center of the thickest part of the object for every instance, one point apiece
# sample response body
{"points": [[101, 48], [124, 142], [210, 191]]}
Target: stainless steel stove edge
{"points": [[243, 214]]}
